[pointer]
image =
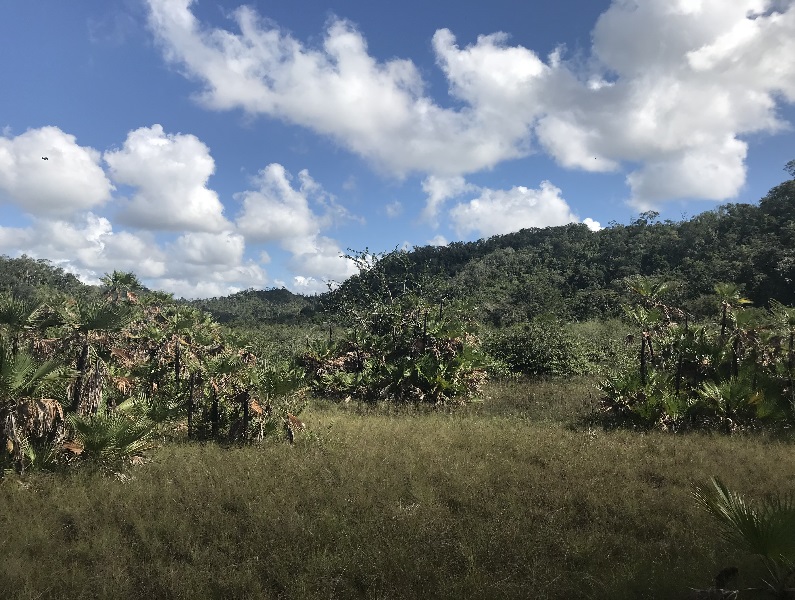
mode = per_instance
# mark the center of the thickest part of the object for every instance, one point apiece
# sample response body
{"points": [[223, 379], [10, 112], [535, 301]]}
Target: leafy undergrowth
{"points": [[502, 500]]}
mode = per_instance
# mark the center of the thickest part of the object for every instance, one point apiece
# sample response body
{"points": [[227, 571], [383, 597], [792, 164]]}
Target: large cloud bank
{"points": [[174, 233], [667, 92]]}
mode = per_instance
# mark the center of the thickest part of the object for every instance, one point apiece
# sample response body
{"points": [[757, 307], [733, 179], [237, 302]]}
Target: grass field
{"points": [[515, 497]]}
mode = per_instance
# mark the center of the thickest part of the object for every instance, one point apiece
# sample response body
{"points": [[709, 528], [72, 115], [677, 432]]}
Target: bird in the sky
{"points": [[44, 158]]}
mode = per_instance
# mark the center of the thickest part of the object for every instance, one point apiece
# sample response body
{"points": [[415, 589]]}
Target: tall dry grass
{"points": [[511, 498]]}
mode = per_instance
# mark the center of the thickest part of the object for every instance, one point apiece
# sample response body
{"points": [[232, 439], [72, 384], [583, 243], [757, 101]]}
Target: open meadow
{"points": [[514, 497]]}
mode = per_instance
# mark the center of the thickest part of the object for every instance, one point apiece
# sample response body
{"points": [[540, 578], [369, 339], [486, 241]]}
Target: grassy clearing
{"points": [[505, 499]]}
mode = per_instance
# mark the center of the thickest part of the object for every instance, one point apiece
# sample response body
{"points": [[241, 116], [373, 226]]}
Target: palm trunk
{"points": [[723, 321], [191, 383], [678, 373], [77, 388], [643, 360], [735, 357], [245, 399], [790, 358], [214, 415], [177, 366]]}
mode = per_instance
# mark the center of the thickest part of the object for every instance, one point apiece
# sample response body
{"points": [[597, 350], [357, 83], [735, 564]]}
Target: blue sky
{"points": [[213, 146]]}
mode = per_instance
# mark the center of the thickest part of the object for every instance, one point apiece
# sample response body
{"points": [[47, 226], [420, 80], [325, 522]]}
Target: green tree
{"points": [[730, 297], [90, 325], [121, 286]]}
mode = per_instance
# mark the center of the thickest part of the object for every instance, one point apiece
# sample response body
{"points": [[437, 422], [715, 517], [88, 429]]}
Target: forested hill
{"points": [[275, 305], [572, 272], [568, 271], [26, 278]]}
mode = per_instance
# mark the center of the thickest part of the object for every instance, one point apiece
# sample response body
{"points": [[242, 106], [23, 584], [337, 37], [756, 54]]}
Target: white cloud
{"points": [[438, 240], [195, 264], [279, 212], [394, 209], [496, 212], [211, 263], [204, 288], [323, 258], [687, 80], [170, 172], [376, 109], [309, 285], [670, 88], [209, 249], [70, 180], [592, 225], [87, 246], [275, 212], [439, 190]]}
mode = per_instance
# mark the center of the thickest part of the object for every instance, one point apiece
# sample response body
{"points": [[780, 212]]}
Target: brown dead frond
{"points": [[39, 418], [256, 408], [72, 447], [124, 357], [292, 424], [125, 385]]}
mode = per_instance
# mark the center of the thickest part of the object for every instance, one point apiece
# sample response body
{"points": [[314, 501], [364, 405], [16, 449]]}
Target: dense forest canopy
{"points": [[576, 273]]}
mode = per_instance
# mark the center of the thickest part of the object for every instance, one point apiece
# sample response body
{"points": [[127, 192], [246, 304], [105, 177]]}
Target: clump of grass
{"points": [[554, 400], [502, 502]]}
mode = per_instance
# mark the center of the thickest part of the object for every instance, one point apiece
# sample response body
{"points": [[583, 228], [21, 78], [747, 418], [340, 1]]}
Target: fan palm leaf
{"points": [[765, 529]]}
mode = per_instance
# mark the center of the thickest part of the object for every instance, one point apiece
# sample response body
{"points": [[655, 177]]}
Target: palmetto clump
{"points": [[764, 529]]}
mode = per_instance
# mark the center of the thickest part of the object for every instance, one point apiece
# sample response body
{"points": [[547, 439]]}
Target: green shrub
{"points": [[540, 347], [399, 343]]}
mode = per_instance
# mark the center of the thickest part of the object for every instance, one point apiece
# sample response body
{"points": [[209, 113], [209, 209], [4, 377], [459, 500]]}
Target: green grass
{"points": [[504, 499]]}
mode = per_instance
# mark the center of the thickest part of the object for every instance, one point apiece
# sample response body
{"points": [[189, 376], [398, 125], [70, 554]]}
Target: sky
{"points": [[211, 146]]}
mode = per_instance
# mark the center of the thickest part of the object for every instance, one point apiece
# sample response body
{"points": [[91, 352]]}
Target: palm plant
{"points": [[111, 437], [647, 320], [730, 297], [650, 289], [121, 286], [783, 318], [24, 318], [89, 323], [765, 529], [22, 380]]}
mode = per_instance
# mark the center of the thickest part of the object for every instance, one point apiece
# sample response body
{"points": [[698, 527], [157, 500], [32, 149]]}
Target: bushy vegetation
{"points": [[727, 374], [541, 347], [94, 380], [398, 344]]}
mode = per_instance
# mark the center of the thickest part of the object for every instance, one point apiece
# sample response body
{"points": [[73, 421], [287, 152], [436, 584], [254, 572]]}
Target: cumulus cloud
{"points": [[167, 174], [85, 245], [497, 212], [71, 179], [275, 211], [687, 79], [668, 91], [193, 265], [439, 190], [210, 248], [310, 285], [294, 217], [592, 225], [376, 109], [170, 173]]}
